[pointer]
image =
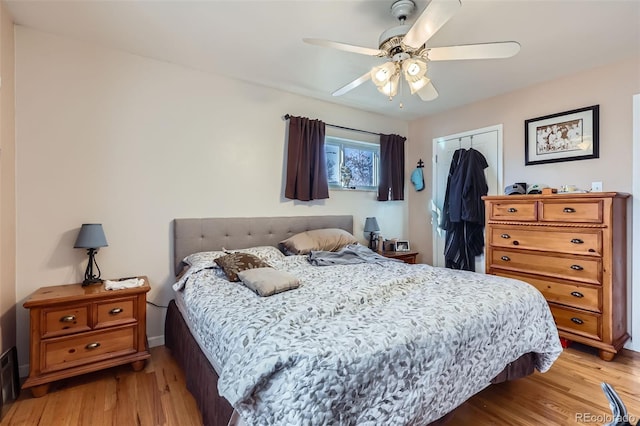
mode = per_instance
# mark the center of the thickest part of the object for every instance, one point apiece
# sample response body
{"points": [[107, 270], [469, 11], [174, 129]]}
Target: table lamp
{"points": [[371, 226], [91, 237]]}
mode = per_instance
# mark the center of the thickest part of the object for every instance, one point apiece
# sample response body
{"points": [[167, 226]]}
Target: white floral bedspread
{"points": [[365, 344]]}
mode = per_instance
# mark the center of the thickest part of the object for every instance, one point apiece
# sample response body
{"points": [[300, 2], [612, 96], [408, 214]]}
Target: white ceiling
{"points": [[261, 41]]}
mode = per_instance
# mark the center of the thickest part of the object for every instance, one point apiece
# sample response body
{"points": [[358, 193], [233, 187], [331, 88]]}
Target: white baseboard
{"points": [[156, 341]]}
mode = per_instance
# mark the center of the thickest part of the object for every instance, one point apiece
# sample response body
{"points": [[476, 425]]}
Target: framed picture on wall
{"points": [[565, 136]]}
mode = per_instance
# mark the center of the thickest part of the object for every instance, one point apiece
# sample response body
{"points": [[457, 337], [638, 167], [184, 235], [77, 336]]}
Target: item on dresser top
{"points": [[536, 188], [514, 189], [123, 283]]}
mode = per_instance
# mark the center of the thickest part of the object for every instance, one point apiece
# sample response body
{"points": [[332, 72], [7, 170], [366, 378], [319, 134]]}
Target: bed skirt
{"points": [[202, 379]]}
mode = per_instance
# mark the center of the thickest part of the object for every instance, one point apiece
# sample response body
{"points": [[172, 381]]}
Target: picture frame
{"points": [[565, 136], [402, 245]]}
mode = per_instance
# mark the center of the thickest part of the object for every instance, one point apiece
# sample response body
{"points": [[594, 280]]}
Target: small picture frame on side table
{"points": [[402, 245]]}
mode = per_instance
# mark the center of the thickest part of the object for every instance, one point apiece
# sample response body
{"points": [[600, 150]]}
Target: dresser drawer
{"points": [[575, 321], [572, 268], [514, 210], [579, 241], [59, 321], [563, 293], [571, 211], [115, 312], [71, 351]]}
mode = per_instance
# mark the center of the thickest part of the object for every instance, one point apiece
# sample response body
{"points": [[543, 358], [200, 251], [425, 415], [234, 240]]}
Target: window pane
{"points": [[360, 163], [332, 158]]}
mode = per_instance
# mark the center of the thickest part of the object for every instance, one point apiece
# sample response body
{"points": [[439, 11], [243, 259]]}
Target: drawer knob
{"points": [[577, 294], [505, 258], [577, 320], [68, 318], [116, 311], [569, 210], [577, 241], [512, 210], [516, 243], [91, 346], [577, 267], [505, 236]]}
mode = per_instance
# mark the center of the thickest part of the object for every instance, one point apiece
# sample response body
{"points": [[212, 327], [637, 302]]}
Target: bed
{"points": [[331, 351]]}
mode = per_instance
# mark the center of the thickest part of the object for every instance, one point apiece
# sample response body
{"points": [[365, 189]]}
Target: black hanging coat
{"points": [[463, 210]]}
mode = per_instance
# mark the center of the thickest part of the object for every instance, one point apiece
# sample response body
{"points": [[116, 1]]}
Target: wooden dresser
{"points": [[76, 330], [571, 247]]}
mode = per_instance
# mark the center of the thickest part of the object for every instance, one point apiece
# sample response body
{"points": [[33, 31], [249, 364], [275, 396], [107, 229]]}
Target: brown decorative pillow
{"points": [[330, 239], [268, 281], [233, 263]]}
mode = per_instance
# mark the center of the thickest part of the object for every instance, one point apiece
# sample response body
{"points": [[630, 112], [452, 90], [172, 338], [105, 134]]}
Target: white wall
{"points": [[105, 136]]}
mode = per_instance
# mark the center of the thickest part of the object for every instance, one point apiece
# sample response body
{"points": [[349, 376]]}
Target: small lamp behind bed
{"points": [[371, 226]]}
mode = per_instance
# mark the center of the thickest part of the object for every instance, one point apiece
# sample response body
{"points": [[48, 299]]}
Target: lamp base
{"points": [[91, 281]]}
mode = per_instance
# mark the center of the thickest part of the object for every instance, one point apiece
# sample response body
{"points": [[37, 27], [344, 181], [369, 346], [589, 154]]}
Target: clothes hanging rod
{"points": [[287, 116]]}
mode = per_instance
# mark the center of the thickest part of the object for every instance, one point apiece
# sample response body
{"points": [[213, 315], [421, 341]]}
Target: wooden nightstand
{"points": [[405, 256], [77, 330]]}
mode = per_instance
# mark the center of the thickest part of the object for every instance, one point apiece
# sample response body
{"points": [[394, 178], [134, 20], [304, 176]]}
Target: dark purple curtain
{"points": [[306, 168], [391, 168]]}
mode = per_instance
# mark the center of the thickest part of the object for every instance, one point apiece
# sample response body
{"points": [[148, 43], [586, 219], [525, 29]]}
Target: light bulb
{"points": [[413, 69]]}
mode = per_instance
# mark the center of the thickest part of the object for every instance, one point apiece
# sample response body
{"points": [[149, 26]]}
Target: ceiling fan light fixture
{"points": [[383, 73], [390, 88], [414, 68], [418, 84]]}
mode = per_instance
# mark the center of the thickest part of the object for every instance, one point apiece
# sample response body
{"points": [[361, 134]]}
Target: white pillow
{"points": [[268, 281]]}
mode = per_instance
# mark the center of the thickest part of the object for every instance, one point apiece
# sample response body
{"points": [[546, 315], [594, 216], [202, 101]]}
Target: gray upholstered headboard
{"points": [[209, 234]]}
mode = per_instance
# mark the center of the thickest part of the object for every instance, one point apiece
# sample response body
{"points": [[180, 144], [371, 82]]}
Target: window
{"points": [[352, 164]]}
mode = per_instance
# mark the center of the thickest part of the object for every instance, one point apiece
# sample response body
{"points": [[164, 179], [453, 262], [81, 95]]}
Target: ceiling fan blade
{"points": [[428, 92], [434, 16], [355, 83], [343, 46], [505, 49]]}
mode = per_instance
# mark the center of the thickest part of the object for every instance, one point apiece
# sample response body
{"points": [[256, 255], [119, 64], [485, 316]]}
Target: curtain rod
{"points": [[287, 116]]}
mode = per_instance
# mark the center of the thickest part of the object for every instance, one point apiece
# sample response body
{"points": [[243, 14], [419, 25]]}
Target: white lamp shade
{"points": [[390, 88], [383, 73]]}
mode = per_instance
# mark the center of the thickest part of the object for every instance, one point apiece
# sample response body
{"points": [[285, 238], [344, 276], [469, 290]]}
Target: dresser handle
{"points": [[577, 320], [116, 311], [577, 267], [577, 241], [91, 346], [505, 236], [569, 210], [505, 258], [577, 294], [68, 318], [516, 243], [512, 210]]}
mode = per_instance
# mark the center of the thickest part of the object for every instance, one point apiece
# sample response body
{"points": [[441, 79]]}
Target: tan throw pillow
{"points": [[330, 239], [268, 281], [233, 263]]}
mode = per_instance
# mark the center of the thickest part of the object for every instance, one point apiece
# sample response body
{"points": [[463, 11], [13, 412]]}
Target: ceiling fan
{"points": [[405, 48]]}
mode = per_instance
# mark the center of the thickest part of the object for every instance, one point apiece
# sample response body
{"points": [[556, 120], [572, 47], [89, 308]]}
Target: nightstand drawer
{"points": [[68, 320], [111, 313], [71, 351]]}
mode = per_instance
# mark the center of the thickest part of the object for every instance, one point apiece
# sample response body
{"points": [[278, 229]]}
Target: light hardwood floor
{"points": [[569, 394]]}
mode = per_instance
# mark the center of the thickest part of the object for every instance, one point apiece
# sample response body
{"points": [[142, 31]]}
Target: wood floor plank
{"points": [[157, 396]]}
